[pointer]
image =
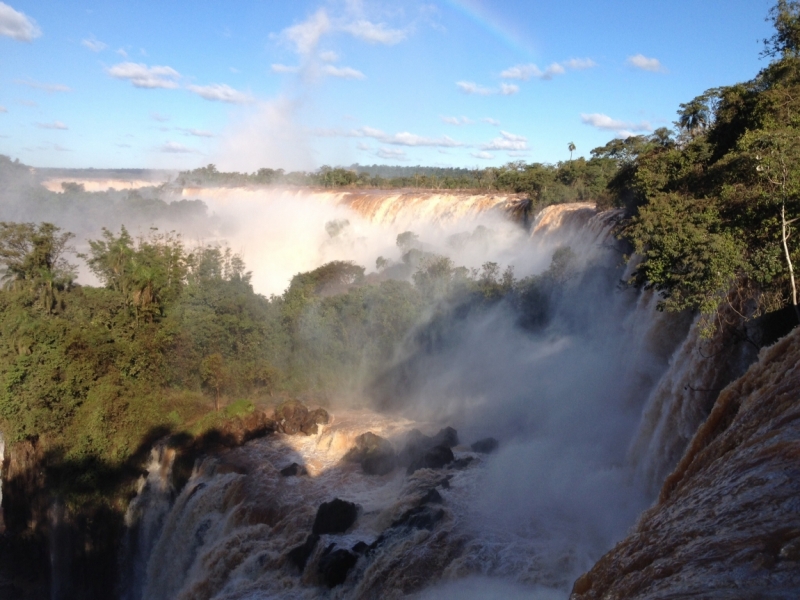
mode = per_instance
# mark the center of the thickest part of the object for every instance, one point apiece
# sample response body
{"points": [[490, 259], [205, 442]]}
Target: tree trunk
{"points": [[784, 238]]}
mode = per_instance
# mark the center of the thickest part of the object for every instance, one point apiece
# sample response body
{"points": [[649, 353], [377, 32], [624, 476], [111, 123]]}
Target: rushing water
{"points": [[576, 463]]}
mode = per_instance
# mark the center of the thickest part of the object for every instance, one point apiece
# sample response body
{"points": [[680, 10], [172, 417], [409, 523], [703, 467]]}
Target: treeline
{"points": [[545, 184], [714, 212]]}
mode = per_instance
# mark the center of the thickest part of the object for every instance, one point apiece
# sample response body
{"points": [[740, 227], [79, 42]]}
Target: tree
{"points": [[214, 374], [785, 17], [571, 149], [777, 156], [32, 257]]}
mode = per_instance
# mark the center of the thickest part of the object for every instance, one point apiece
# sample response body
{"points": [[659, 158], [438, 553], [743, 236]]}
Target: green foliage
{"points": [[708, 211]]}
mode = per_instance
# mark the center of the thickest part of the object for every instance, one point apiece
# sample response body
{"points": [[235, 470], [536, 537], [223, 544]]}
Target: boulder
{"points": [[485, 446], [420, 517], [445, 437], [336, 516], [375, 454], [293, 417], [435, 458], [293, 469], [424, 451], [432, 497], [334, 565], [299, 556]]}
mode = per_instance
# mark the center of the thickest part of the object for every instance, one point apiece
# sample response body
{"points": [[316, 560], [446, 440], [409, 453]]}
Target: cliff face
{"points": [[727, 523]]}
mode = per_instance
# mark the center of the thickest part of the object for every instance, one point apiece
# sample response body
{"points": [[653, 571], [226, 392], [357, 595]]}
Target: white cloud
{"points": [[122, 52], [508, 89], [159, 117], [306, 35], [375, 33], [621, 128], [526, 72], [328, 56], [278, 68], [343, 72], [482, 155], [397, 139], [532, 71], [579, 64], [219, 92], [391, 153], [470, 87], [94, 45], [640, 61], [47, 87], [198, 133], [507, 141], [407, 139], [142, 76], [3, 109], [17, 25], [491, 121], [363, 146], [60, 148], [518, 154], [457, 120], [53, 125], [175, 148]]}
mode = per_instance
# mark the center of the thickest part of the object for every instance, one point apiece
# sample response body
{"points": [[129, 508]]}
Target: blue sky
{"points": [[295, 85]]}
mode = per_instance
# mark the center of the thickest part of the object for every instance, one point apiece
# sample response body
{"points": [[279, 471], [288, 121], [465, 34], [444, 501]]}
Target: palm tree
{"points": [[571, 149], [695, 116]]}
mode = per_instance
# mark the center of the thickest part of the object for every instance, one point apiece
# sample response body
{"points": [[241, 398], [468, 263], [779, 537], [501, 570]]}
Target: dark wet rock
{"points": [[446, 437], [375, 454], [293, 417], [313, 420], [299, 556], [461, 463], [336, 516], [432, 497], [420, 517], [425, 451], [360, 547], [435, 458], [293, 469], [334, 565], [485, 446]]}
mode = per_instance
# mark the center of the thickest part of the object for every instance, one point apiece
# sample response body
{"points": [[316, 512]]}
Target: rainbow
{"points": [[478, 11]]}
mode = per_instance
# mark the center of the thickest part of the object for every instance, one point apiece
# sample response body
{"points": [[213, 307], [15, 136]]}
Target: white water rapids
{"points": [[582, 408]]}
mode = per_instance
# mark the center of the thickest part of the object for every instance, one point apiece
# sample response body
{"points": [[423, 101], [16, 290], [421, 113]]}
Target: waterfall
{"points": [[2, 463], [144, 520], [585, 409]]}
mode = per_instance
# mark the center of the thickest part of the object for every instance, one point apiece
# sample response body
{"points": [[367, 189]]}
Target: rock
{"points": [[360, 547], [461, 463], [336, 516], [432, 497], [293, 417], [293, 469], [375, 454], [485, 446], [420, 517], [290, 416], [419, 446], [313, 420], [435, 458], [334, 565], [446, 437], [299, 556]]}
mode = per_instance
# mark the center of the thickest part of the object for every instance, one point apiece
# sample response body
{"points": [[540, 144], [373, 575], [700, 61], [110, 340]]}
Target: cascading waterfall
{"points": [[2, 462], [144, 519], [567, 482]]}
